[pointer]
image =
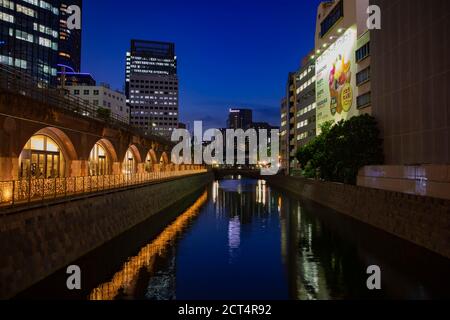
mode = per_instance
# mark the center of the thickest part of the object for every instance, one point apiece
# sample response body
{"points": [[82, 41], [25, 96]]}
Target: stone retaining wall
{"points": [[38, 241], [422, 220]]}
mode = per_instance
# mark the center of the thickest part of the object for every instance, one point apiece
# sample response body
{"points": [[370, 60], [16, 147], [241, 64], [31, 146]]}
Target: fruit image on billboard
{"points": [[336, 80]]}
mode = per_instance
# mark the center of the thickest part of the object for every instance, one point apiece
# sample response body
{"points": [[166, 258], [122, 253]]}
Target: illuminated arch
{"points": [[150, 161], [131, 160], [105, 143], [101, 158], [164, 159], [164, 162], [47, 154]]}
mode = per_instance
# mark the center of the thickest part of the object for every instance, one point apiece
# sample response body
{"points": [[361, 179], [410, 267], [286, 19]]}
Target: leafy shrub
{"points": [[342, 149], [104, 113]]}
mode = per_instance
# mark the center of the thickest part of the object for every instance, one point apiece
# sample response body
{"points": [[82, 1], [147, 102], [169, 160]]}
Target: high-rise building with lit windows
{"points": [[69, 55], [239, 118], [151, 86], [31, 37], [298, 113], [284, 134]]}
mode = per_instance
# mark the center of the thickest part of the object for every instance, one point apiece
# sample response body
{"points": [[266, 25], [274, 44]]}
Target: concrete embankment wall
{"points": [[421, 220], [36, 242]]}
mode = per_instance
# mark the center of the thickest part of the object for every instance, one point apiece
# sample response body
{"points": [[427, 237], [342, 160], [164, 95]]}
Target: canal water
{"points": [[241, 239]]}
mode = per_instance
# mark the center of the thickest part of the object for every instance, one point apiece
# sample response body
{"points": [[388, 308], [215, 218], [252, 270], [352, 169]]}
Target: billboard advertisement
{"points": [[336, 80]]}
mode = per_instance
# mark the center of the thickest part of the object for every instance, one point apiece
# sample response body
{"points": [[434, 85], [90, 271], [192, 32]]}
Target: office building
{"points": [[151, 87], [305, 104], [298, 113], [342, 55], [69, 55], [333, 81], [243, 119], [284, 135], [29, 31], [291, 100], [30, 38], [304, 121], [103, 97], [239, 118]]}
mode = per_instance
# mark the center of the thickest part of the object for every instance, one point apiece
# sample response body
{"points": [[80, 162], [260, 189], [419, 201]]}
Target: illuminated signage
{"points": [[336, 80]]}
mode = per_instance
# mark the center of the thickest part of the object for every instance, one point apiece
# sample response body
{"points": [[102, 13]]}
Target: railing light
{"points": [[32, 190]]}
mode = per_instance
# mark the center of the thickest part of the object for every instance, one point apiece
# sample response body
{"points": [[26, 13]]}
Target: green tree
{"points": [[104, 113], [312, 155], [342, 149]]}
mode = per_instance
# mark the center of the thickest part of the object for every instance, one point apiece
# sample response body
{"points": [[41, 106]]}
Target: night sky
{"points": [[230, 53]]}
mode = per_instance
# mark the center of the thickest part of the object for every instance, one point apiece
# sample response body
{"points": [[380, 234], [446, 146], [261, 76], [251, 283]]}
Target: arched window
{"points": [[41, 158], [164, 159], [149, 163], [129, 163], [99, 161]]}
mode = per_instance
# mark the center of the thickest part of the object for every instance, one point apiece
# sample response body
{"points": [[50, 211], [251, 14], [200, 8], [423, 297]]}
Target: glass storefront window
{"points": [[99, 162], [129, 165], [41, 158], [148, 163]]}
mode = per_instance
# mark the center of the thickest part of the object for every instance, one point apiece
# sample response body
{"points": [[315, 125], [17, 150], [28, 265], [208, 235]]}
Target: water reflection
{"points": [[248, 241], [125, 281], [234, 238], [329, 254]]}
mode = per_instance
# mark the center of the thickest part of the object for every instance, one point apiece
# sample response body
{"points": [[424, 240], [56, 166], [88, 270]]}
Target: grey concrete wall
{"points": [[421, 220], [410, 72], [36, 242]]}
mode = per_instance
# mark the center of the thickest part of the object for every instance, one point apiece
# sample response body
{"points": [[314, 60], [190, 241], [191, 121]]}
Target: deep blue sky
{"points": [[230, 53]]}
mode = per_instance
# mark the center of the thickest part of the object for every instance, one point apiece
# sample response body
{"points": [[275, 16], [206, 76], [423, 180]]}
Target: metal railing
{"points": [[19, 192], [19, 82]]}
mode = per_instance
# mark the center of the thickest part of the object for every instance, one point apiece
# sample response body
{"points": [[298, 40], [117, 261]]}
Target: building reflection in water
{"points": [[312, 269], [215, 191], [234, 238], [239, 203], [326, 255], [276, 247], [318, 264], [261, 192], [124, 282], [243, 200]]}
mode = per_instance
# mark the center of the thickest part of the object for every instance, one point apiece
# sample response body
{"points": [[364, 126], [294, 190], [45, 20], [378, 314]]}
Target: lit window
{"points": [[6, 17], [26, 11], [21, 35]]}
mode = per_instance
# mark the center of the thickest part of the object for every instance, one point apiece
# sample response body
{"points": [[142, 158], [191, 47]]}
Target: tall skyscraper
{"points": [[31, 34], [151, 86], [69, 55], [29, 37], [239, 118]]}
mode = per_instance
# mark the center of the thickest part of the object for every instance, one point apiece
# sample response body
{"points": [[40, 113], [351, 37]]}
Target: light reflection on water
{"points": [[124, 281], [248, 241], [234, 238]]}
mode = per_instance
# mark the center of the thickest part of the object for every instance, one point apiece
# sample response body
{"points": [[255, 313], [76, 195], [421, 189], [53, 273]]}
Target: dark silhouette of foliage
{"points": [[342, 149], [104, 113]]}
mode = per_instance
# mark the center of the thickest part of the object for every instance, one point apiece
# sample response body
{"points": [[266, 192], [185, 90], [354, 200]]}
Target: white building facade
{"points": [[103, 97]]}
